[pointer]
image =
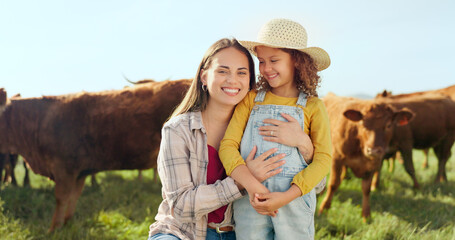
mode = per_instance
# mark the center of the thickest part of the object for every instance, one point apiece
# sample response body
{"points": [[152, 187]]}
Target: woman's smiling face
{"points": [[228, 77]]}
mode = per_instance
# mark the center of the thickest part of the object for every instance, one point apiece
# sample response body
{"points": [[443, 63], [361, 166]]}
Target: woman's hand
{"points": [[261, 168], [288, 133]]}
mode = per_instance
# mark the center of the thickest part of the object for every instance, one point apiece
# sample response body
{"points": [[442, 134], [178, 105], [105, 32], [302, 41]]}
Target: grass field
{"points": [[122, 207]]}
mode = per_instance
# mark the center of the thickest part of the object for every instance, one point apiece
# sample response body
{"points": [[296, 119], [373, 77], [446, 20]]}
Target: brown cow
{"points": [[69, 137], [433, 127], [361, 131]]}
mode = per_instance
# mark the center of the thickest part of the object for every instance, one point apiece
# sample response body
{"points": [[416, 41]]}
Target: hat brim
{"points": [[319, 55]]}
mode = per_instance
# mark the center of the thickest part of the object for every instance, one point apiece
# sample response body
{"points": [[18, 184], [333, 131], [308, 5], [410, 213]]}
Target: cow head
{"points": [[375, 125]]}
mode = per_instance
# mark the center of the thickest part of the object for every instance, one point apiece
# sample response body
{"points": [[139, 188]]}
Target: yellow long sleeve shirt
{"points": [[317, 126]]}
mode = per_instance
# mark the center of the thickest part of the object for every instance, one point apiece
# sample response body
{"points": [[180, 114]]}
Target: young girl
{"points": [[278, 115]]}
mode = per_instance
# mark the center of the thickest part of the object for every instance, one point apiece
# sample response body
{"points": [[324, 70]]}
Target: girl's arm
{"points": [[187, 200]]}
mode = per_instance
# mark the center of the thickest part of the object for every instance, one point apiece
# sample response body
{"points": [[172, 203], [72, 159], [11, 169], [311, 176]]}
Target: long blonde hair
{"points": [[196, 99]]}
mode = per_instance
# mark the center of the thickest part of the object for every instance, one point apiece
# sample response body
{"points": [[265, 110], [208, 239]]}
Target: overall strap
{"points": [[302, 99], [260, 96]]}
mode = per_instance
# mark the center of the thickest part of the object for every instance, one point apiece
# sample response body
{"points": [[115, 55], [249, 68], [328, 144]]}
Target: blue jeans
{"points": [[213, 235], [163, 236], [296, 219]]}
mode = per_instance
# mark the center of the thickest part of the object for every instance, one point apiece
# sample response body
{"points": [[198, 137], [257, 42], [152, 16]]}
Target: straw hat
{"points": [[284, 33]]}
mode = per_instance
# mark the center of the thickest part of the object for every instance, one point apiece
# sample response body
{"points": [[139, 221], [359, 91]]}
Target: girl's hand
{"points": [[271, 202], [288, 133], [263, 169], [259, 189]]}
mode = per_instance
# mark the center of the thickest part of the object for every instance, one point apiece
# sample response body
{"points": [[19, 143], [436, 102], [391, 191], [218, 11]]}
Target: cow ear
{"points": [[353, 115], [2, 96], [403, 117]]}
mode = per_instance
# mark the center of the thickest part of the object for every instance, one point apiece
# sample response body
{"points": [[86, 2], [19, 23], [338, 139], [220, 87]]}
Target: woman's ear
{"points": [[203, 77]]}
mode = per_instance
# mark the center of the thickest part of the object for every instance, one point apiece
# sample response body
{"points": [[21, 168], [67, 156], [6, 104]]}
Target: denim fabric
{"points": [[163, 236], [213, 235], [295, 220]]}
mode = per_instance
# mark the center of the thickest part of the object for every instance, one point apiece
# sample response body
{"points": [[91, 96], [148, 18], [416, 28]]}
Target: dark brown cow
{"points": [[69, 137], [448, 91], [433, 127], [361, 131]]}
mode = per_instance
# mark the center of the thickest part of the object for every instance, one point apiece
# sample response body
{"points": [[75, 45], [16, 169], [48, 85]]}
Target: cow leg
{"points": [[12, 165], [399, 157], [8, 170], [139, 175], [377, 177], [391, 165], [155, 175], [335, 181], [366, 186], [26, 177], [409, 165], [93, 179], [425, 159], [64, 188], [343, 172], [74, 196], [443, 152], [2, 166]]}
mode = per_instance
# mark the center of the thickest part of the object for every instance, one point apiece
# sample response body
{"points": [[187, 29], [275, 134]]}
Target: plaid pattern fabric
{"points": [[182, 167]]}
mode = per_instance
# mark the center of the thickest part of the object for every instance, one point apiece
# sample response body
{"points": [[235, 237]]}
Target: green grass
{"points": [[122, 207]]}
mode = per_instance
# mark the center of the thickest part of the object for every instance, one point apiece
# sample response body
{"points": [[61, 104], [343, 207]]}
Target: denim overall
{"points": [[296, 219]]}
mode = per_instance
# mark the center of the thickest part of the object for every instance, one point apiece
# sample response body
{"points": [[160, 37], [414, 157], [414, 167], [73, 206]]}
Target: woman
{"points": [[197, 195]]}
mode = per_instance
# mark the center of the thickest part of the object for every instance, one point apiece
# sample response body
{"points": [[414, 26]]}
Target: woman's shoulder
{"points": [[185, 120]]}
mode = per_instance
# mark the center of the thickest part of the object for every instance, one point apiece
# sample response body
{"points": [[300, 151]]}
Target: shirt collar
{"points": [[196, 121]]}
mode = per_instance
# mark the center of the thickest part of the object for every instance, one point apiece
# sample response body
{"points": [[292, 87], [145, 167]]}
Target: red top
{"points": [[215, 171]]}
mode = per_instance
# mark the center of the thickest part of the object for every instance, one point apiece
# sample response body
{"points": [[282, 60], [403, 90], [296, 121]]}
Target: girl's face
{"points": [[278, 68], [228, 77]]}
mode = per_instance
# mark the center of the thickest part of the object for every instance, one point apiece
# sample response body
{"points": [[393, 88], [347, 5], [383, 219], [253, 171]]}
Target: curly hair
{"points": [[305, 74]]}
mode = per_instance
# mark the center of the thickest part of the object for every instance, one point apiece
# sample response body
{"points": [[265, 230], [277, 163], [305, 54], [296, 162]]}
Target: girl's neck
{"points": [[290, 92]]}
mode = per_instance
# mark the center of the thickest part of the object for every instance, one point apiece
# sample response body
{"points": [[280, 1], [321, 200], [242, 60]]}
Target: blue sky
{"points": [[60, 47]]}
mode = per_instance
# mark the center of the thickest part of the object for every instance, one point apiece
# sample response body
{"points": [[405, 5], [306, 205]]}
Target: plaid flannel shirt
{"points": [[182, 167]]}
